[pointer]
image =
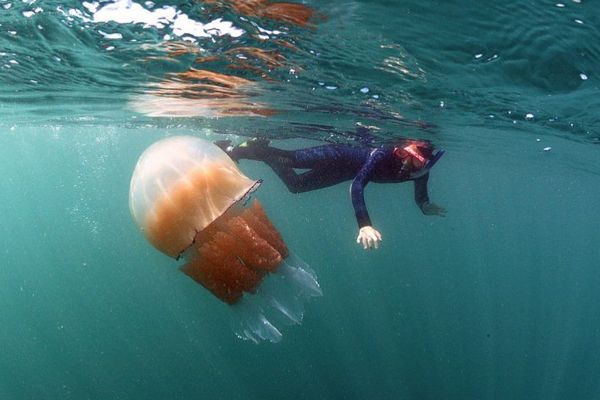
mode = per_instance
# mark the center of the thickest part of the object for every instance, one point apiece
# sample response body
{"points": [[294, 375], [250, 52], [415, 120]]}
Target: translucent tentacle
{"points": [[303, 276], [279, 301]]}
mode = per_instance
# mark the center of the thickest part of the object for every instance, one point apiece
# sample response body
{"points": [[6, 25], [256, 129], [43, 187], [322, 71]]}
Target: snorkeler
{"points": [[331, 164]]}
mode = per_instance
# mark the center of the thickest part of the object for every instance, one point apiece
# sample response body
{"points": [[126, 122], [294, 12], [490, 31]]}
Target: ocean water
{"points": [[498, 300]]}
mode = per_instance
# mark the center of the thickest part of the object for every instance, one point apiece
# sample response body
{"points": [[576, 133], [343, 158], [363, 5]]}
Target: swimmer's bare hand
{"points": [[433, 209], [368, 237]]}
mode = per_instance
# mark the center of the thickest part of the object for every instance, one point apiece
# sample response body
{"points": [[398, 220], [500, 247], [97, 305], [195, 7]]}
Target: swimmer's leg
{"points": [[323, 169], [259, 150], [281, 161], [317, 178]]}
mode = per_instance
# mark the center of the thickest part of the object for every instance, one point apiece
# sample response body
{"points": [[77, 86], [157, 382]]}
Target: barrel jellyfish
{"points": [[191, 202]]}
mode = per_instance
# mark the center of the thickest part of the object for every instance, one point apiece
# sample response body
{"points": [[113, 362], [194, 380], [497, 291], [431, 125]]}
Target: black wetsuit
{"points": [[331, 164]]}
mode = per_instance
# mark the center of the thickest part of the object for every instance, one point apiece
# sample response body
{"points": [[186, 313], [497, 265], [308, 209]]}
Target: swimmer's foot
{"points": [[252, 149], [247, 150], [225, 145], [255, 142], [228, 148]]}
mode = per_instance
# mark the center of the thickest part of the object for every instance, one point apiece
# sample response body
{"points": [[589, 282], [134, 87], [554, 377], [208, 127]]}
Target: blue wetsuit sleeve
{"points": [[421, 195], [358, 185]]}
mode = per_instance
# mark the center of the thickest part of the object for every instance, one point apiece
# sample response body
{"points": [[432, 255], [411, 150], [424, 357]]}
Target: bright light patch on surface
{"points": [[78, 14], [130, 12], [185, 25], [111, 36], [91, 7]]}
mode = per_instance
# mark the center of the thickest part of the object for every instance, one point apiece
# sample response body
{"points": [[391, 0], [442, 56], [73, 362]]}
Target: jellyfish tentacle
{"points": [[231, 258], [250, 323], [252, 248], [215, 267], [304, 278], [256, 217], [279, 300], [291, 315]]}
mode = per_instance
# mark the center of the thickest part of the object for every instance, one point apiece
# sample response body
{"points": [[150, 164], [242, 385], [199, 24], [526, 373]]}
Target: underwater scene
{"points": [[260, 199]]}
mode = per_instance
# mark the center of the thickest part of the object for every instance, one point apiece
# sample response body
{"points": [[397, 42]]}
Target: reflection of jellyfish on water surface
{"points": [[187, 196]]}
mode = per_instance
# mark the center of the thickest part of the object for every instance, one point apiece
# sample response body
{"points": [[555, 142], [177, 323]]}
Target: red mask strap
{"points": [[412, 150]]}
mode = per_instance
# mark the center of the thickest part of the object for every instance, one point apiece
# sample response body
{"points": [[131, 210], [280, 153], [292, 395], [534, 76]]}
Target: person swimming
{"points": [[330, 164]]}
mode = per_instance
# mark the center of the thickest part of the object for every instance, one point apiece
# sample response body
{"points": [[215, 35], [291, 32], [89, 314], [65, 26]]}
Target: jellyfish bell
{"points": [[191, 201], [180, 186]]}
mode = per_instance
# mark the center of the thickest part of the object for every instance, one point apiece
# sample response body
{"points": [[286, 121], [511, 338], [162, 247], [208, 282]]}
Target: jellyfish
{"points": [[191, 202]]}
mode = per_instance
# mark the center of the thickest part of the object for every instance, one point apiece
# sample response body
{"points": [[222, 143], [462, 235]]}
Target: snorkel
{"points": [[437, 154]]}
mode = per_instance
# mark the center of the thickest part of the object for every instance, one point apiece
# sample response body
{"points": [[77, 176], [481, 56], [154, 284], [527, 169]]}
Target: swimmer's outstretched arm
{"points": [[422, 198], [368, 236]]}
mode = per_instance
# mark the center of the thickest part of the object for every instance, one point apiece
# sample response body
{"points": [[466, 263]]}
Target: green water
{"points": [[498, 300]]}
